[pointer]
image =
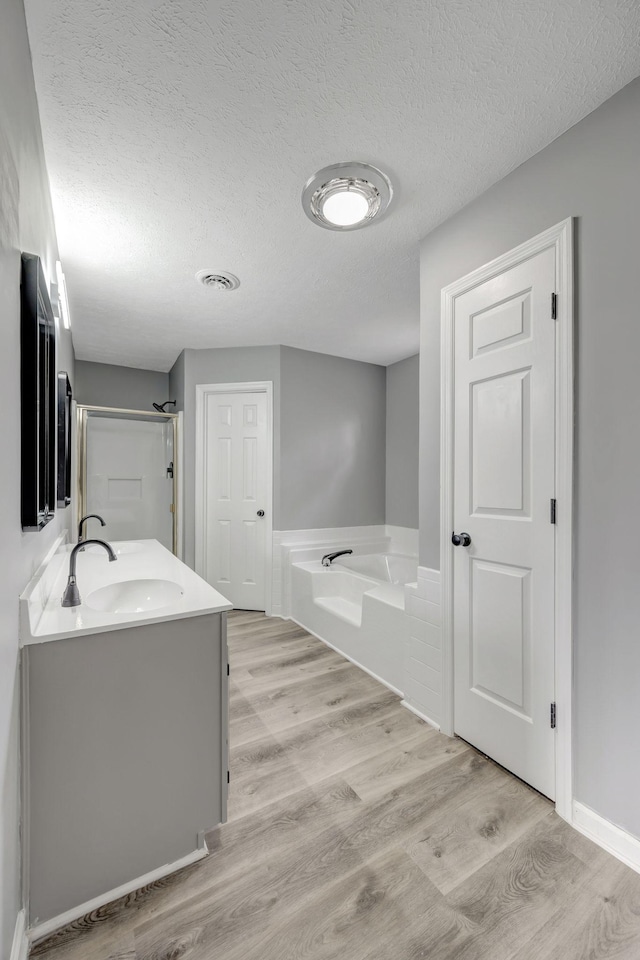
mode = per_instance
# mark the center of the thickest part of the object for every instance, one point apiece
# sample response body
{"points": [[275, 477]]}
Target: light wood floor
{"points": [[358, 832]]}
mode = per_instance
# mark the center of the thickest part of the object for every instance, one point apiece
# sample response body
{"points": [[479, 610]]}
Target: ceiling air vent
{"points": [[218, 281]]}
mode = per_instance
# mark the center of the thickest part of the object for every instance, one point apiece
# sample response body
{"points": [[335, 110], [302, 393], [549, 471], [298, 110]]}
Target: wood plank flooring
{"points": [[358, 832]]}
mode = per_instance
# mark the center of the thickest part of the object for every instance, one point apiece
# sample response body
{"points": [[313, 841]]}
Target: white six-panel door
{"points": [[235, 471], [503, 484]]}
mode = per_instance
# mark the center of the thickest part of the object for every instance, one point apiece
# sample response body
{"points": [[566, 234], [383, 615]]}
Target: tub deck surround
{"points": [[184, 594]]}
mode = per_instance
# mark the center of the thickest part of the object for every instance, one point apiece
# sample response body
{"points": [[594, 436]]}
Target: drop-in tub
{"points": [[357, 606]]}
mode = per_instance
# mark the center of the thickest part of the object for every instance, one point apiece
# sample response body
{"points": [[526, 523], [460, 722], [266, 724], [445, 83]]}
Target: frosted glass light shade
{"points": [[345, 208]]}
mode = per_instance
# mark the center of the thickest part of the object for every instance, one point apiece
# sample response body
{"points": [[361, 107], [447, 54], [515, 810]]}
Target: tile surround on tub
{"points": [[423, 652]]}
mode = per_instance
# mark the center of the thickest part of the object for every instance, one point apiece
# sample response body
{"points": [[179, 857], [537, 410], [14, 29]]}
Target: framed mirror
{"points": [[65, 397], [38, 397]]}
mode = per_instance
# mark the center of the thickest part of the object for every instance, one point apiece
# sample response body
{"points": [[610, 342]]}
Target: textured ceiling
{"points": [[179, 135]]}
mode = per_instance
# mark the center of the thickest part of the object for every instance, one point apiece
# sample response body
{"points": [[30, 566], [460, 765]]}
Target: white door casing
{"points": [[507, 410], [233, 483]]}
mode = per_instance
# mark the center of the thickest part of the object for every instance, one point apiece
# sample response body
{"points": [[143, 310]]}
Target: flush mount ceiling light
{"points": [[346, 196], [218, 281]]}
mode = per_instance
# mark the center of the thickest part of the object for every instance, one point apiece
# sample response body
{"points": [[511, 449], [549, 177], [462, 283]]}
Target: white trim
{"points": [[179, 455], [20, 945], [560, 237], [203, 390], [565, 519], [418, 713], [47, 927], [346, 656], [613, 839]]}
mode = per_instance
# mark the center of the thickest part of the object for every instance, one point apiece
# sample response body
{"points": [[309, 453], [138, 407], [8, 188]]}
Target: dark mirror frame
{"points": [[65, 396], [38, 397]]}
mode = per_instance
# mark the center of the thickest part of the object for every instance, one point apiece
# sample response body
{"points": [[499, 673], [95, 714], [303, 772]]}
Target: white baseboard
{"points": [[375, 676], [41, 930], [423, 716], [20, 945], [613, 839]]}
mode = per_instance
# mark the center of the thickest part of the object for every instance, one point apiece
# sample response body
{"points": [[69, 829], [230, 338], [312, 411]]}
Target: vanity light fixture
{"points": [[346, 196], [62, 296]]}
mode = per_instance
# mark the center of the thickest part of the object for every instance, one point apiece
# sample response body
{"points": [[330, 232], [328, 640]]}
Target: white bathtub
{"points": [[386, 567], [357, 607]]}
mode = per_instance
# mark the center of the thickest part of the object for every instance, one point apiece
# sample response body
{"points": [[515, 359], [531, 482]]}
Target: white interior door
{"points": [[504, 481], [128, 482], [235, 497]]}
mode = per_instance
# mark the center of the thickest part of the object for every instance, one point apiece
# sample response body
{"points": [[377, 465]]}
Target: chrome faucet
{"points": [[329, 557], [71, 595], [83, 520]]}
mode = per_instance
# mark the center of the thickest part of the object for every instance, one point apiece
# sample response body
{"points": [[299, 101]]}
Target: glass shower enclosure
{"points": [[127, 473]]}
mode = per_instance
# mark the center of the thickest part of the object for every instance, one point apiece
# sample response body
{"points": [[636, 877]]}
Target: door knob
{"points": [[261, 513], [461, 540]]}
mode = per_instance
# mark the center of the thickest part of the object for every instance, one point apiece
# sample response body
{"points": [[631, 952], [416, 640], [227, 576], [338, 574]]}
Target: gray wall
{"points": [[106, 385], [403, 443], [26, 224], [332, 437], [592, 173], [176, 382], [329, 432]]}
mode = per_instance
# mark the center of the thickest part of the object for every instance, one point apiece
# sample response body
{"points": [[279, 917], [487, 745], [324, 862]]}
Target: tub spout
{"points": [[329, 557]]}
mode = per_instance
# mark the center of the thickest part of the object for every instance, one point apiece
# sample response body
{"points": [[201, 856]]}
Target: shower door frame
{"points": [[82, 415]]}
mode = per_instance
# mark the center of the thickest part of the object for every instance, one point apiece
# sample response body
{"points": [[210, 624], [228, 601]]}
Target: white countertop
{"points": [[42, 618]]}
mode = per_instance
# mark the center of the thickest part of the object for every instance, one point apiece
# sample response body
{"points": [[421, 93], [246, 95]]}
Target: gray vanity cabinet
{"points": [[126, 755]]}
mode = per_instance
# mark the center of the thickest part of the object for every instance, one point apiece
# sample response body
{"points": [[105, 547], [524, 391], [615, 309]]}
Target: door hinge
{"points": [[552, 716], [228, 777], [554, 306], [228, 669], [553, 511], [172, 508]]}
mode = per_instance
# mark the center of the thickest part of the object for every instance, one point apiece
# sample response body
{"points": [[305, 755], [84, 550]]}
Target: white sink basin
{"points": [[134, 596], [127, 546]]}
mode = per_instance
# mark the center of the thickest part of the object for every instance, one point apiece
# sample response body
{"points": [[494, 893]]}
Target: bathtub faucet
{"points": [[328, 557]]}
